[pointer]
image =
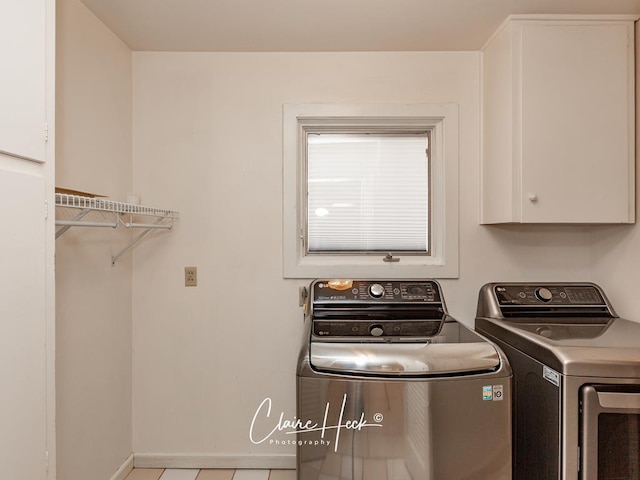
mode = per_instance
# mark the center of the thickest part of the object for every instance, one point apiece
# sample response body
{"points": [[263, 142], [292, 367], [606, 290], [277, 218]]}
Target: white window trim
{"points": [[443, 261]]}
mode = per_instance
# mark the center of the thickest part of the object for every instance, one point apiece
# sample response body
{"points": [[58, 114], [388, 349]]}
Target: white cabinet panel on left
{"points": [[23, 327], [23, 80], [27, 282]]}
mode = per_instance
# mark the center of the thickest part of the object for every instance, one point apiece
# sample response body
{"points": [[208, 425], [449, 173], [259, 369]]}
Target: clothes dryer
{"points": [[576, 388]]}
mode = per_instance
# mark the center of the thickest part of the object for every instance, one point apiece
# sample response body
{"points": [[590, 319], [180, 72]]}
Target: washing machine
{"points": [[389, 386], [576, 390]]}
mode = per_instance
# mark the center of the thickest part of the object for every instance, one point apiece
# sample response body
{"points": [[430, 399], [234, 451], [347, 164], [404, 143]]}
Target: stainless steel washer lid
{"points": [[419, 359]]}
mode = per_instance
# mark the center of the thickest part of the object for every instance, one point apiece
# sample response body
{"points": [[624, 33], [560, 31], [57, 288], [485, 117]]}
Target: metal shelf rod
{"points": [[75, 223], [147, 225]]}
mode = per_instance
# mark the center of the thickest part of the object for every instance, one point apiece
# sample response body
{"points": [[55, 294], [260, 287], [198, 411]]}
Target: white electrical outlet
{"points": [[190, 276]]}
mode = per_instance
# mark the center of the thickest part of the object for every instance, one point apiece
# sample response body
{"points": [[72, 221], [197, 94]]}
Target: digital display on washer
{"points": [[415, 291], [583, 295]]}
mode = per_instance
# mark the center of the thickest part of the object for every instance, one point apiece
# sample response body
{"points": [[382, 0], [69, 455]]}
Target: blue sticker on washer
{"points": [[492, 392], [487, 392]]}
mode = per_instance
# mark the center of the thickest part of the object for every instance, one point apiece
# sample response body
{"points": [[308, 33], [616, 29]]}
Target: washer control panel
{"points": [[550, 294], [391, 291], [376, 309]]}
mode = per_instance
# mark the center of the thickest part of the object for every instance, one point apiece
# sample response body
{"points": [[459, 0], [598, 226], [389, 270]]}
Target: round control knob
{"points": [[544, 294], [376, 290], [376, 330]]}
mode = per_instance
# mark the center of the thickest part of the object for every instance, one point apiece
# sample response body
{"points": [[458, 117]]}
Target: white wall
{"points": [[616, 249], [208, 142], [93, 314]]}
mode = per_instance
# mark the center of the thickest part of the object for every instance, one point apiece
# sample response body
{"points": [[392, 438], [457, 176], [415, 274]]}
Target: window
{"points": [[370, 191], [367, 193]]}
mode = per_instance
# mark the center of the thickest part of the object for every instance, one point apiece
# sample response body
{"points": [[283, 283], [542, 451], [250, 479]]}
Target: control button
{"points": [[376, 330], [376, 290], [544, 294], [544, 332]]}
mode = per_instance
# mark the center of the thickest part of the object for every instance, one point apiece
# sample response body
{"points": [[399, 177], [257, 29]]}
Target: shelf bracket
{"points": [[149, 227], [67, 225]]}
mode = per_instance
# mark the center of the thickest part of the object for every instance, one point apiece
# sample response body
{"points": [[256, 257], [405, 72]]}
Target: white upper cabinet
{"points": [[558, 121], [23, 78]]}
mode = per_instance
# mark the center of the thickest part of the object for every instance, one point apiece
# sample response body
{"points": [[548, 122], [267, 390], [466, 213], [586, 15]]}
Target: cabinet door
{"points": [[26, 245], [23, 327], [22, 78], [577, 122]]}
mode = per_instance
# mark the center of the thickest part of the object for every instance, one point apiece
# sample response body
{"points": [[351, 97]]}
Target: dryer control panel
{"points": [[548, 294], [533, 302]]}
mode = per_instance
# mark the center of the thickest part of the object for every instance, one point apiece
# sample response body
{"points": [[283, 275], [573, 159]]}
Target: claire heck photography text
{"points": [[281, 430]]}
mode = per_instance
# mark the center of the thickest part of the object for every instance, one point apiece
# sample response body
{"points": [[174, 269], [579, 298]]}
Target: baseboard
{"points": [[170, 460], [124, 469]]}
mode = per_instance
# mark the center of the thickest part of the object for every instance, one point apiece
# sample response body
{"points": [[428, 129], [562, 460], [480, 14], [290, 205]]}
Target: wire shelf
{"points": [[111, 214], [102, 205]]}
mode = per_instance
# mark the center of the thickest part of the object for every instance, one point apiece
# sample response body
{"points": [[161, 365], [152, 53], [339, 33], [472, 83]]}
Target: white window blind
{"points": [[368, 192]]}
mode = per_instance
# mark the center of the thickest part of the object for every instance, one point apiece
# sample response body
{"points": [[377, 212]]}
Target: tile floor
{"points": [[195, 474]]}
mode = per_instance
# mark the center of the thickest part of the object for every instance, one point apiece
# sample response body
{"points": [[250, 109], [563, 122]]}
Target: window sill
{"points": [[370, 266]]}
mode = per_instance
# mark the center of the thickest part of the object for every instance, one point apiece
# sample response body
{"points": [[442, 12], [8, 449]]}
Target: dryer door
{"points": [[610, 432]]}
